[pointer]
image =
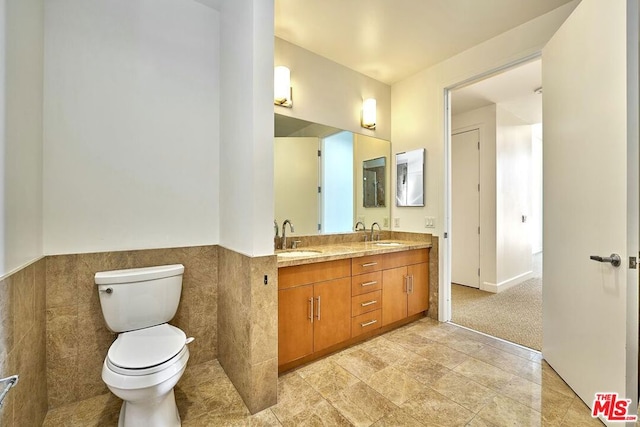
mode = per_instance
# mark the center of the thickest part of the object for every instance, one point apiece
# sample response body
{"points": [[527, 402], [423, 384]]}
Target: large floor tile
{"points": [[418, 375]]}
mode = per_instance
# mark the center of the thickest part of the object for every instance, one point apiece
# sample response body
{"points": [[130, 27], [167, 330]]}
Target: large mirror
{"points": [[319, 176], [410, 178]]}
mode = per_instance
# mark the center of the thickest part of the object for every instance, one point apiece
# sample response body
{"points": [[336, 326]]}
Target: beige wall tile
{"points": [[6, 316], [248, 326], [264, 309], [23, 345], [76, 330], [434, 279]]}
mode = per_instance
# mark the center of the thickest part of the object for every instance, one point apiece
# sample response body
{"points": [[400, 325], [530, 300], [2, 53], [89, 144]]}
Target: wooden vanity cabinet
{"points": [[295, 330], [405, 285], [313, 316], [324, 305], [366, 294]]}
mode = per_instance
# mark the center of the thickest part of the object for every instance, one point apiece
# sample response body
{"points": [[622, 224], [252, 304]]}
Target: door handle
{"points": [[614, 259], [311, 309], [318, 308]]}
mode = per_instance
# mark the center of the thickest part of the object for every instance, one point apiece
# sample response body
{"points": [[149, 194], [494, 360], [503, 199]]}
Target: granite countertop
{"points": [[331, 252]]}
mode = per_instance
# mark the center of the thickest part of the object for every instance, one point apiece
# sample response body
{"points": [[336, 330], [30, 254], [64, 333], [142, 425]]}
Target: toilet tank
{"points": [[138, 298]]}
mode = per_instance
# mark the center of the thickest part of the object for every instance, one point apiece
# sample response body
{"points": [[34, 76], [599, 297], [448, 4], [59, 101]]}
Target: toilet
{"points": [[149, 356]]}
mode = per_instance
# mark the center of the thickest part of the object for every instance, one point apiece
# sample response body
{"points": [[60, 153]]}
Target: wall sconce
{"points": [[369, 113], [282, 87]]}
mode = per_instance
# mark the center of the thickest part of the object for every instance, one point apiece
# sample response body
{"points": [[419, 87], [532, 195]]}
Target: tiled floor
{"points": [[424, 374]]}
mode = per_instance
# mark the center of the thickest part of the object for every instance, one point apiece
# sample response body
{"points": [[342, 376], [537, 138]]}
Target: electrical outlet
{"points": [[396, 222], [385, 221]]}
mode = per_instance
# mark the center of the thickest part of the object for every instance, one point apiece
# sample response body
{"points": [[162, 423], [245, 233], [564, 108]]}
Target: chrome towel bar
{"points": [[7, 383]]}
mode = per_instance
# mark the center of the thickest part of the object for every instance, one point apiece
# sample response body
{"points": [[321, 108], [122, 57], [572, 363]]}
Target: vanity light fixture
{"points": [[369, 113], [282, 87]]}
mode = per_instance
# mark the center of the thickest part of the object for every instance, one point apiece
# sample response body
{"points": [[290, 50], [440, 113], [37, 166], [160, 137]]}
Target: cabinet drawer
{"points": [[365, 303], [400, 259], [366, 322], [364, 283], [305, 274], [366, 264]]}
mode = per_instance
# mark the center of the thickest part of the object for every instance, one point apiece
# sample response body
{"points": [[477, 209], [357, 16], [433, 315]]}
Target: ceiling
{"points": [[391, 40], [513, 89]]}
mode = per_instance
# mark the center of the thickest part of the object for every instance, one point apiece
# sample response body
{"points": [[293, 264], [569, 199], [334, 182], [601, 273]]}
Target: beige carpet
{"points": [[514, 315]]}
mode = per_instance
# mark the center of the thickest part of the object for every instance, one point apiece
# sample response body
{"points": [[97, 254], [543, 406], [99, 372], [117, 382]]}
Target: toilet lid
{"points": [[146, 347]]}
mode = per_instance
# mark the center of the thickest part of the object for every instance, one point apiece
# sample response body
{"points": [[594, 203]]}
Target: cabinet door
{"points": [[418, 299], [295, 330], [394, 295], [332, 306]]}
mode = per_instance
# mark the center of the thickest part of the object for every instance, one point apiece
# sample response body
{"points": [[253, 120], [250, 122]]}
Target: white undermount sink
{"points": [[388, 244], [295, 254]]}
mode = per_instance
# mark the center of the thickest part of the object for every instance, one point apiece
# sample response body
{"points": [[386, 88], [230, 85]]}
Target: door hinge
{"points": [[478, 230], [319, 227], [319, 190], [478, 187], [633, 262], [319, 153], [478, 272], [478, 145], [446, 234]]}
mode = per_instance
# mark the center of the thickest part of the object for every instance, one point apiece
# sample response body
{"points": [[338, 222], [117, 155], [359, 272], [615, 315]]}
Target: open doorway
{"points": [[496, 205]]}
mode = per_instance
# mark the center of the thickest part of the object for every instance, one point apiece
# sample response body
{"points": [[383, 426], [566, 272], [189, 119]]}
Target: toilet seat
{"points": [[146, 351], [145, 371]]}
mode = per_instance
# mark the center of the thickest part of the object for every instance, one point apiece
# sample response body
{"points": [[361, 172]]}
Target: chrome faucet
{"points": [[379, 229], [284, 234], [364, 228]]}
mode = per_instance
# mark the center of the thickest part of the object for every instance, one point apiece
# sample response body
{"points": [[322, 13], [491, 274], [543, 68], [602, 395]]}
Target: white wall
{"points": [[506, 192], [131, 118], [246, 126], [21, 70], [536, 189], [331, 94], [484, 119], [296, 183], [513, 199], [417, 105]]}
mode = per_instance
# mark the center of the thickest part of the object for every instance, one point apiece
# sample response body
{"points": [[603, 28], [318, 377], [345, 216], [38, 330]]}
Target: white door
{"points": [[465, 208], [590, 172]]}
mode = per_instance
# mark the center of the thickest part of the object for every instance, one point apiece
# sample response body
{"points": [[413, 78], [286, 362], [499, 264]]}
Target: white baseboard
{"points": [[506, 284]]}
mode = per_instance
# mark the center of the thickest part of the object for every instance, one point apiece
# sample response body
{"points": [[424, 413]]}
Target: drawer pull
{"points": [[369, 323], [364, 304], [374, 282], [370, 264]]}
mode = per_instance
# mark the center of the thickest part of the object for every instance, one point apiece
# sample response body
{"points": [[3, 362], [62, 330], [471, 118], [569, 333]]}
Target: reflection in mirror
{"points": [[374, 174], [410, 178], [322, 193]]}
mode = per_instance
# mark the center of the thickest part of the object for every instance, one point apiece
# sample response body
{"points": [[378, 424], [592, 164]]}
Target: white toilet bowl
{"points": [[141, 368], [149, 356]]}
